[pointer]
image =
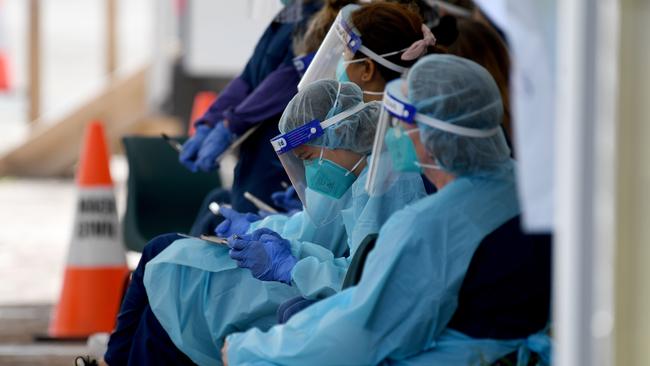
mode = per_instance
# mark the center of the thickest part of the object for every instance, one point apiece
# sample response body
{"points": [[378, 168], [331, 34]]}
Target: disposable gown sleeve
{"points": [[318, 273], [299, 229], [267, 100], [276, 223], [362, 325], [235, 92]]}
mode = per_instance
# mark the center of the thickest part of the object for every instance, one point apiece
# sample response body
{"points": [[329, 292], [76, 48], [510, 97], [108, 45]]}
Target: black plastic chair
{"points": [[163, 196], [353, 274]]}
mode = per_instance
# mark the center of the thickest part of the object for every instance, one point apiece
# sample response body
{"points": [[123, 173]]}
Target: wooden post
{"points": [[111, 43], [34, 61], [633, 163]]}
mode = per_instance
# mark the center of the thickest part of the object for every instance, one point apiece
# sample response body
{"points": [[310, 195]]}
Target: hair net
{"points": [[460, 92], [316, 101]]}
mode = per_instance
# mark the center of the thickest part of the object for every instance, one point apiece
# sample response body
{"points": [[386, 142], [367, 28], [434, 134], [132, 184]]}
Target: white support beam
{"points": [[584, 225]]}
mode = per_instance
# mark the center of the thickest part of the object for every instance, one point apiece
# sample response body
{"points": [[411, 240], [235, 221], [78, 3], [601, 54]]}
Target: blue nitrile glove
{"points": [[287, 199], [214, 145], [265, 253], [235, 223], [192, 146], [263, 214]]}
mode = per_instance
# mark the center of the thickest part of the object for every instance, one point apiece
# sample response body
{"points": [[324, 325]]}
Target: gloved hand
{"points": [[263, 214], [191, 147], [287, 199], [265, 253], [235, 223], [214, 145]]}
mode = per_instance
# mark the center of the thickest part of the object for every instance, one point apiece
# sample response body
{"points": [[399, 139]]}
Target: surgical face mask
{"points": [[341, 71], [326, 177], [401, 150]]}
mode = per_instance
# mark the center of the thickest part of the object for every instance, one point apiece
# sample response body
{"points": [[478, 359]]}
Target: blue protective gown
{"points": [[199, 295], [408, 292]]}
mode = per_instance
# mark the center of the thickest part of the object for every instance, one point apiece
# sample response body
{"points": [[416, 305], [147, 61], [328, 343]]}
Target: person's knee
{"points": [[158, 244]]}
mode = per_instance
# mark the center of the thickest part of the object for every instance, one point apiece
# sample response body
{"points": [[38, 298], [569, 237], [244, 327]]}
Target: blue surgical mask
{"points": [[341, 71], [326, 177], [401, 150]]}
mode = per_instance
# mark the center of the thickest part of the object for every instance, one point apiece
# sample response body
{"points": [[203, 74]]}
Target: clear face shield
{"points": [[393, 150], [383, 171], [321, 184], [338, 50]]}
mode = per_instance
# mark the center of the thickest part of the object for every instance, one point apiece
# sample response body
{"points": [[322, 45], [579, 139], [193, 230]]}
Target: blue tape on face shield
{"points": [[401, 150], [301, 63]]}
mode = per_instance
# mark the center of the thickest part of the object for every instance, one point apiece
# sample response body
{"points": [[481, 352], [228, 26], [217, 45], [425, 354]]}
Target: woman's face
{"points": [[364, 73], [344, 158]]}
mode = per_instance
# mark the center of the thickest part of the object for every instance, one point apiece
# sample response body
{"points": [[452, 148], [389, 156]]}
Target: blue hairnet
{"points": [[460, 92], [317, 101]]}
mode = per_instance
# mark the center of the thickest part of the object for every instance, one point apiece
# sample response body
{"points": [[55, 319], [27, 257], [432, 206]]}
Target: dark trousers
{"points": [[138, 338]]}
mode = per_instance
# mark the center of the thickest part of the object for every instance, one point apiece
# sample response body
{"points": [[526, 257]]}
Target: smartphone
{"points": [[214, 239]]}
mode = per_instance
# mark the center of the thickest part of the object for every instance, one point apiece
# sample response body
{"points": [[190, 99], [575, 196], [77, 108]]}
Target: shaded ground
{"points": [[18, 325]]}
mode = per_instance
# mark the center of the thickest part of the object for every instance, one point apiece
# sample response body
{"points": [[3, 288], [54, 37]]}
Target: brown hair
{"points": [[387, 27], [319, 25], [482, 44]]}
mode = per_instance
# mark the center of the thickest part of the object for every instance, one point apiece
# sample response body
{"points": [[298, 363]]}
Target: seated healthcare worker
{"points": [[199, 294], [254, 99], [257, 96], [136, 314], [368, 45], [269, 95], [449, 112]]}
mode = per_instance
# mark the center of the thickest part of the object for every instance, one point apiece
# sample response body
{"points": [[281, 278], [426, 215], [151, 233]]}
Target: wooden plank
{"points": [[53, 148], [20, 323], [51, 354], [34, 75], [111, 39]]}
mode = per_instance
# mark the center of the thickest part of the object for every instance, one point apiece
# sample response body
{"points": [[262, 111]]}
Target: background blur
{"points": [[138, 65], [134, 65], [73, 72]]}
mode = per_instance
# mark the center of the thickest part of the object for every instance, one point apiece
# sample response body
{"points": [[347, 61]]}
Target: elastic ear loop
{"points": [[355, 166], [380, 59], [336, 100], [320, 158], [372, 92], [428, 166]]}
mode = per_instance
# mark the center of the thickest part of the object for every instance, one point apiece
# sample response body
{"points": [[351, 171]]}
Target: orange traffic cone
{"points": [[5, 80], [96, 266], [202, 101], [5, 71]]}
